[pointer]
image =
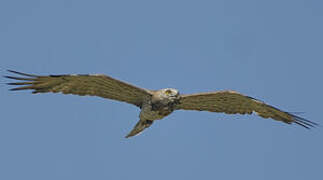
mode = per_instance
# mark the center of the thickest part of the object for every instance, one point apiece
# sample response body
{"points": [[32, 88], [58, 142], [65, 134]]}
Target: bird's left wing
{"points": [[92, 85], [231, 102]]}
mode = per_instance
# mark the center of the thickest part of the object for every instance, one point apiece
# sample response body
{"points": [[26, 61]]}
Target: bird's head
{"points": [[169, 93]]}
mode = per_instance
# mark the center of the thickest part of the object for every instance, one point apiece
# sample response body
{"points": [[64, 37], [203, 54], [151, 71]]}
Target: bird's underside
{"points": [[154, 105]]}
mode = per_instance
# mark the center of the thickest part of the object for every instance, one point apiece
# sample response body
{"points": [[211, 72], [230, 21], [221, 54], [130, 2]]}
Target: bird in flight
{"points": [[154, 104]]}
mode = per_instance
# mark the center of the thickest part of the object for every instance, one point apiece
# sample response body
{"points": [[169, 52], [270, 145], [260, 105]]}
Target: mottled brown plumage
{"points": [[92, 85], [231, 102], [154, 105]]}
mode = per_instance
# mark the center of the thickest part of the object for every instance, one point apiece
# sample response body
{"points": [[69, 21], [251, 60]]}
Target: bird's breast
{"points": [[155, 111]]}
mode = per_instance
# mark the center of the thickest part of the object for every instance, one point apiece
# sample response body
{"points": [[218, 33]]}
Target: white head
{"points": [[169, 93]]}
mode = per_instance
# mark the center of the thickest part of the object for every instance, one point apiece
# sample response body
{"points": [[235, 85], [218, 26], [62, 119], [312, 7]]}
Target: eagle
{"points": [[154, 104]]}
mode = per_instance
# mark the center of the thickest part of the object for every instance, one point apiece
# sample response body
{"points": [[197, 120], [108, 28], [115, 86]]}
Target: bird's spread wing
{"points": [[232, 102], [92, 85]]}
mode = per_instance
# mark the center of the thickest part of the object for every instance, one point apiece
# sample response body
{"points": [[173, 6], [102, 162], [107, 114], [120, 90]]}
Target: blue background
{"points": [[270, 50]]}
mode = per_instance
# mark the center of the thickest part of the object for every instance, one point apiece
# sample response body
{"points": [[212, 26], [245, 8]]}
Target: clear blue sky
{"points": [[270, 50]]}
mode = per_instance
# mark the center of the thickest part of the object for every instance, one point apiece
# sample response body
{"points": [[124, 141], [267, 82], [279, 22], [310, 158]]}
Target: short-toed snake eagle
{"points": [[154, 104]]}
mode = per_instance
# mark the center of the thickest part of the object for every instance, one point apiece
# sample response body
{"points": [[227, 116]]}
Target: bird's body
{"points": [[156, 107], [163, 102], [154, 111], [154, 104]]}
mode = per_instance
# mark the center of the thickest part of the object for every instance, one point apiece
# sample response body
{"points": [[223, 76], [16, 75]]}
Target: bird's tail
{"points": [[139, 127]]}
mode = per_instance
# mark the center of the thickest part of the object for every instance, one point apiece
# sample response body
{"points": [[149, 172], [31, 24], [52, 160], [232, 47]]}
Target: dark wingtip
{"points": [[11, 71], [302, 125], [19, 83], [20, 88], [304, 122], [26, 79], [20, 73], [297, 112], [14, 89], [18, 78]]}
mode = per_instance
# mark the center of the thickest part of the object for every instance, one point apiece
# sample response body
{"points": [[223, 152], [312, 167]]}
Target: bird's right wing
{"points": [[92, 85], [231, 102]]}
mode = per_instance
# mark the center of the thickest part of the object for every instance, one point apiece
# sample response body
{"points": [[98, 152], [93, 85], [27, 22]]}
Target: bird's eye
{"points": [[168, 92]]}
